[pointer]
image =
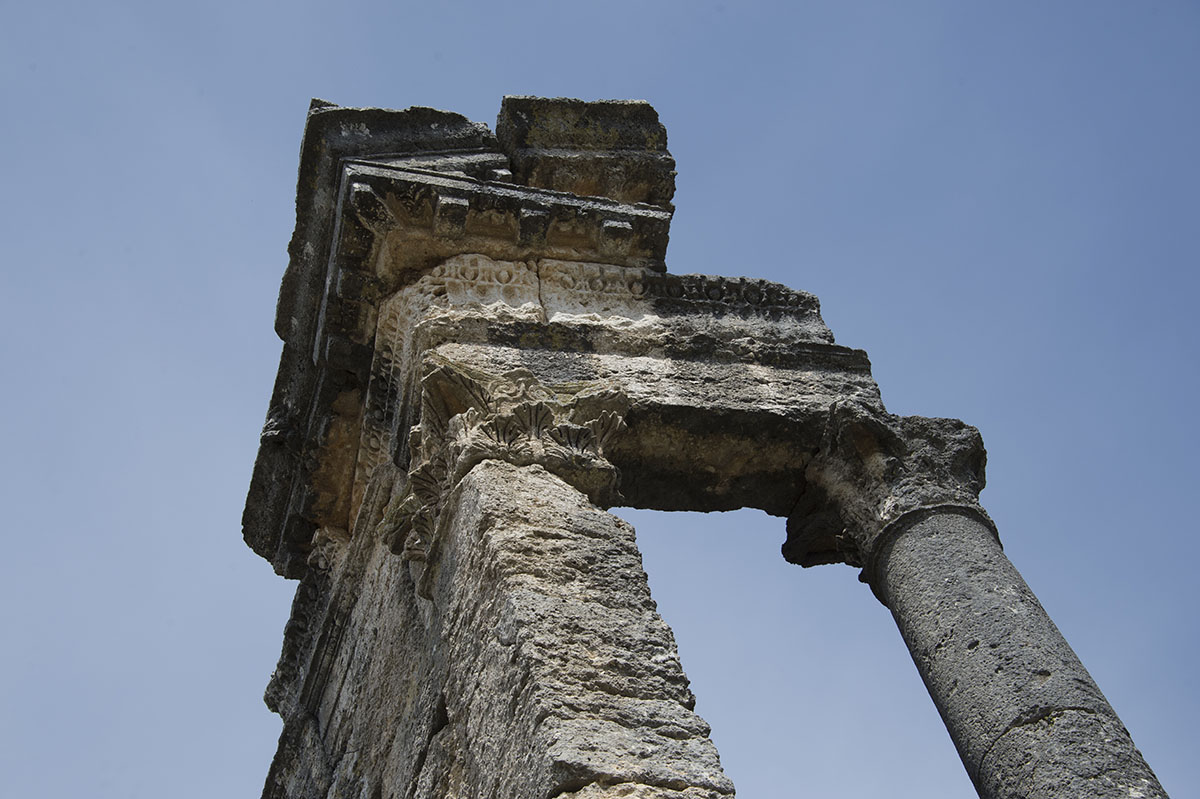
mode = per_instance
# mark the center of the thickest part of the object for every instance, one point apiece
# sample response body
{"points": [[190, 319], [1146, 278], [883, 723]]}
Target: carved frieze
{"points": [[476, 278], [579, 287]]}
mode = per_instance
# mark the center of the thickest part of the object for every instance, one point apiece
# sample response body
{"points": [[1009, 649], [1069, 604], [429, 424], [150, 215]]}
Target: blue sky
{"points": [[999, 202]]}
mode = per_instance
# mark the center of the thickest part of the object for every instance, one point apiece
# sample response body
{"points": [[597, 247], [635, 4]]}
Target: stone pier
{"points": [[483, 351]]}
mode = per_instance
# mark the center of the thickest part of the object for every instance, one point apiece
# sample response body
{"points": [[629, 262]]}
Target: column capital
{"points": [[468, 416], [873, 472]]}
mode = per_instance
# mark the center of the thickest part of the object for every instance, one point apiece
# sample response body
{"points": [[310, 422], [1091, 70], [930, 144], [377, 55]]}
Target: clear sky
{"points": [[1000, 202]]}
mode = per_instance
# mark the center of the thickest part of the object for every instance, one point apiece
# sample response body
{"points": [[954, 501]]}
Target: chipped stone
{"points": [[482, 352]]}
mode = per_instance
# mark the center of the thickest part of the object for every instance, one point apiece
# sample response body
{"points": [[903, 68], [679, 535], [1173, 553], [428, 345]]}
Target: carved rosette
{"points": [[468, 416], [873, 471]]}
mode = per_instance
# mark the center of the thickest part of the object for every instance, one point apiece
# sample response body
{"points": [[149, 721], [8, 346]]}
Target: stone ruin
{"points": [[483, 350]]}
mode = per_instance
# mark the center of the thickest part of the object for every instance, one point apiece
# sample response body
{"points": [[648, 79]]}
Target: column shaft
{"points": [[1027, 718]]}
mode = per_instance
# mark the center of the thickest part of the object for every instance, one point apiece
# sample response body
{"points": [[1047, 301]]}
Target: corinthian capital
{"points": [[874, 469], [468, 416]]}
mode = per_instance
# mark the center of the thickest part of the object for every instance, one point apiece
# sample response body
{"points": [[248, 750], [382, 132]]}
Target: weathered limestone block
{"points": [[612, 149], [538, 648], [597, 693]]}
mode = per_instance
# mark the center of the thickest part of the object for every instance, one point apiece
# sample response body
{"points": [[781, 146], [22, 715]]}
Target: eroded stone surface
{"points": [[482, 349], [537, 646], [1068, 752], [613, 149]]}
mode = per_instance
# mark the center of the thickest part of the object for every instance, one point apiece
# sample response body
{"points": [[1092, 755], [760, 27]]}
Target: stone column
{"points": [[1026, 717]]}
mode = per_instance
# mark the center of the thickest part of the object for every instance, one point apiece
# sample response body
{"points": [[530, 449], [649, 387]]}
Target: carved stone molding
{"points": [[580, 306], [470, 280], [875, 469], [473, 277], [468, 417]]}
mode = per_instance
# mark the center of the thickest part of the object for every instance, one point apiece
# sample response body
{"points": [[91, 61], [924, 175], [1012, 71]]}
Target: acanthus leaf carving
{"points": [[448, 392], [468, 417], [605, 427], [534, 417], [578, 440]]}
